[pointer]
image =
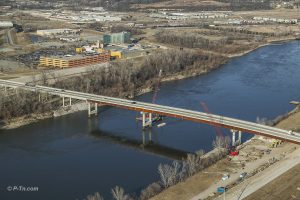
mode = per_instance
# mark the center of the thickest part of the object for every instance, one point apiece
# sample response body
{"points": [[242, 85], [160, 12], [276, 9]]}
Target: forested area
{"points": [[220, 41], [126, 78], [20, 103]]}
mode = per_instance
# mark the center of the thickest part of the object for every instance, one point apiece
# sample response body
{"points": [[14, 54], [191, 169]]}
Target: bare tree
{"points": [[221, 142], [169, 174], [150, 191], [119, 193], [95, 196]]}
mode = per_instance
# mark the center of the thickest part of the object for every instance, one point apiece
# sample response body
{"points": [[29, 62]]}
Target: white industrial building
{"points": [[6, 24], [49, 32]]}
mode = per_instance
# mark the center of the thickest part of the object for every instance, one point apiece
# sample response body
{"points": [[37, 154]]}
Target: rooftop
{"points": [[72, 57]]}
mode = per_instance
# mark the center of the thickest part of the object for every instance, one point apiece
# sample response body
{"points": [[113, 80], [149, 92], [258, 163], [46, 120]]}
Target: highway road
{"points": [[180, 113]]}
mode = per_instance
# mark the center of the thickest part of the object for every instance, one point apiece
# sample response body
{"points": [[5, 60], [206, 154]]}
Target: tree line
{"points": [[225, 42]]}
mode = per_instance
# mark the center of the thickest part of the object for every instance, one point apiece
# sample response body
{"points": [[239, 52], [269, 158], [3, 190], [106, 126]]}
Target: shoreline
{"points": [[32, 118]]}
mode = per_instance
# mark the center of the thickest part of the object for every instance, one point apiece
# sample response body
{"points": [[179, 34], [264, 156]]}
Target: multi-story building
{"points": [[74, 61], [117, 38]]}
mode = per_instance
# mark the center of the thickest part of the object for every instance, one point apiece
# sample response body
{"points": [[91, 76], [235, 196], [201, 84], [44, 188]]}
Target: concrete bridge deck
{"points": [[196, 116]]}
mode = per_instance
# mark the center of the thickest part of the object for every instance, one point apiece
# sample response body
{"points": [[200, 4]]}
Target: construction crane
{"points": [[157, 86], [217, 128], [155, 117]]}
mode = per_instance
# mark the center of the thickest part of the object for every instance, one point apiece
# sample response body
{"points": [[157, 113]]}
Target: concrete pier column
{"points": [[39, 97], [240, 137], [90, 111], [63, 100], [143, 119], [150, 120], [70, 101], [233, 136], [96, 109]]}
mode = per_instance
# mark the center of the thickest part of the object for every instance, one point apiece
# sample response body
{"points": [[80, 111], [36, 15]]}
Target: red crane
{"points": [[157, 86], [217, 128]]}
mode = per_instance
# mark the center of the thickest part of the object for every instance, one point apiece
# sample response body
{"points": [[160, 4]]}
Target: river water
{"points": [[72, 156]]}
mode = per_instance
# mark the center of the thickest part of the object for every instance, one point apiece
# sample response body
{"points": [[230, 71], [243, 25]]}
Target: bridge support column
{"points": [[233, 136], [150, 120], [240, 137], [143, 120], [90, 111], [64, 102]]}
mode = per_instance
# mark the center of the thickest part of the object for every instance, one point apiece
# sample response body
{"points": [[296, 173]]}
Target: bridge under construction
{"points": [[148, 109]]}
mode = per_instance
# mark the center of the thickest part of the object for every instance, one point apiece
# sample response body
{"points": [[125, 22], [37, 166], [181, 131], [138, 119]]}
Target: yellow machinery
{"points": [[116, 54], [79, 50], [100, 50], [275, 143]]}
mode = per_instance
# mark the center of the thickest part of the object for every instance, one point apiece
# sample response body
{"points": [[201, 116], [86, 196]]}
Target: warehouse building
{"points": [[6, 24], [117, 38], [49, 32], [74, 61]]}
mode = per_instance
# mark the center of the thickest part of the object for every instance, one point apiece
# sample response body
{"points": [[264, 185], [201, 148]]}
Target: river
{"points": [[72, 156]]}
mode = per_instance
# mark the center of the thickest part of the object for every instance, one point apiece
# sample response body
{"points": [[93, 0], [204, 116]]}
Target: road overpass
{"points": [[185, 114]]}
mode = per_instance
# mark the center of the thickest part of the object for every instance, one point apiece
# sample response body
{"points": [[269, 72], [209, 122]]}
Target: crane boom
{"points": [[157, 86], [217, 129]]}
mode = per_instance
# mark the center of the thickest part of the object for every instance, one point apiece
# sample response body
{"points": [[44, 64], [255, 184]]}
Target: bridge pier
{"points": [[90, 111], [239, 140], [233, 136], [240, 137], [63, 100], [144, 122]]}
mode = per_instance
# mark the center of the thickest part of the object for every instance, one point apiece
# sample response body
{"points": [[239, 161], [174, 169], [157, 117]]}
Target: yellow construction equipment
{"points": [[275, 143], [100, 50], [79, 50], [115, 54]]}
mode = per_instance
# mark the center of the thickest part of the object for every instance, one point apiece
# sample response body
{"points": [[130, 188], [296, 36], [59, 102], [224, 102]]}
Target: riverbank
{"points": [[255, 158], [25, 120], [32, 118]]}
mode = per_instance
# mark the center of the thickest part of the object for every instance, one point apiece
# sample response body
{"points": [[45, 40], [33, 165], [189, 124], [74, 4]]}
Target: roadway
{"points": [[180, 113]]}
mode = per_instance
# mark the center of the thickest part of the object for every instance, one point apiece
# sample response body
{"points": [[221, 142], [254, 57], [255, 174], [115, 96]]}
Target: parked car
{"points": [[221, 189], [225, 177], [243, 175]]}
